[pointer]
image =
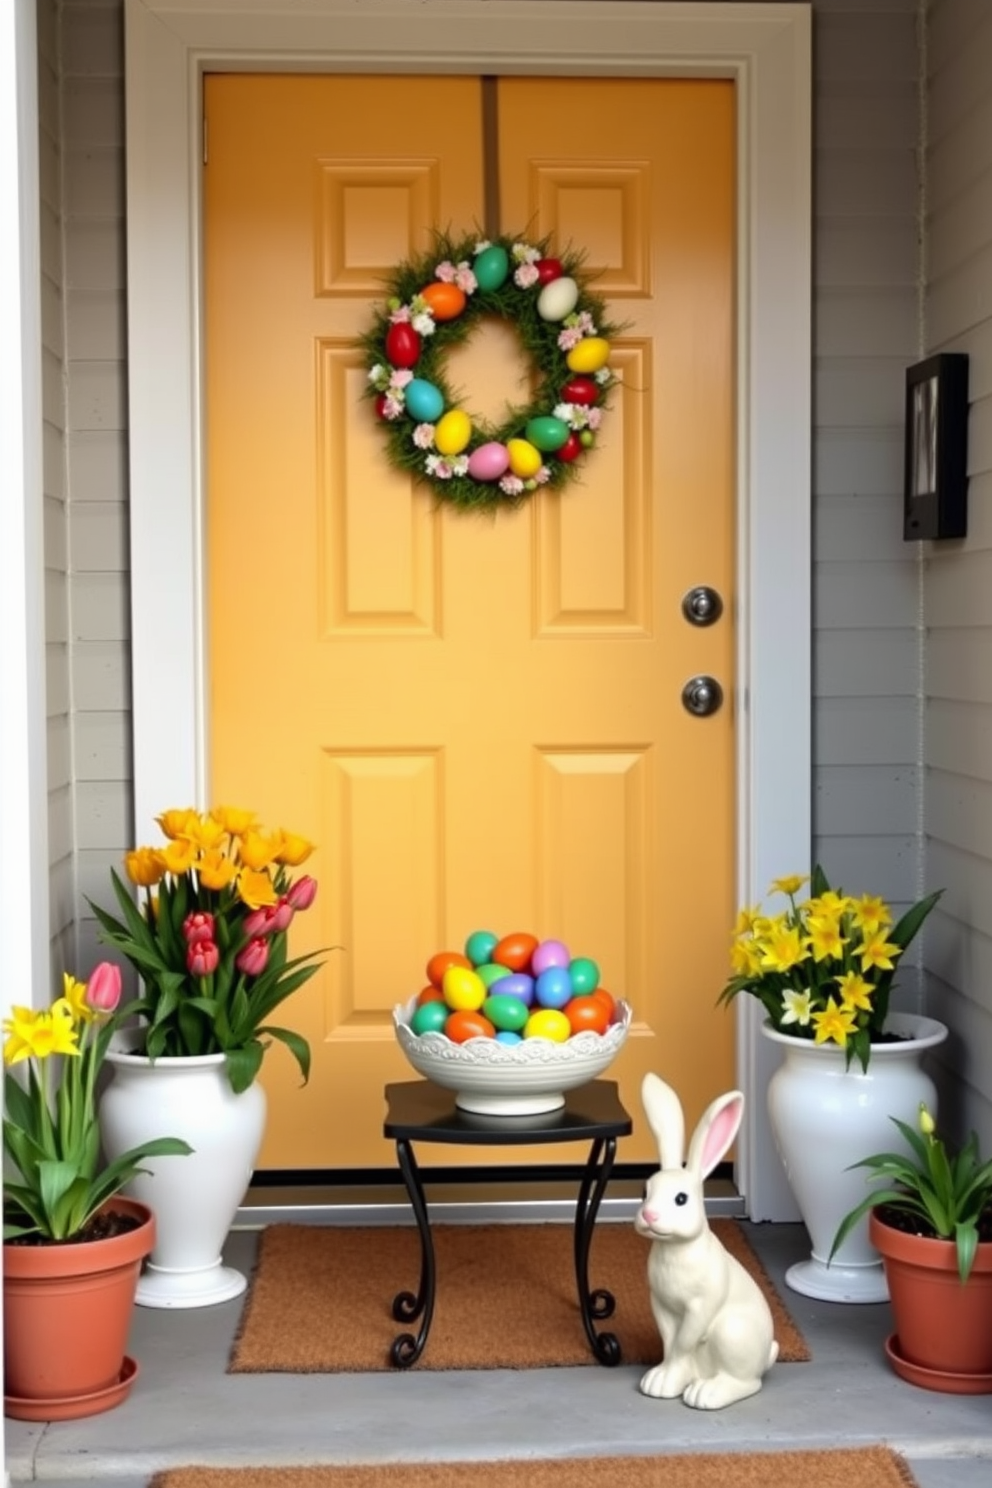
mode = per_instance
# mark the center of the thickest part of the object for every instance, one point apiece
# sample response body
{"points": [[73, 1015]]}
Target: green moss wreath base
{"points": [[434, 302]]}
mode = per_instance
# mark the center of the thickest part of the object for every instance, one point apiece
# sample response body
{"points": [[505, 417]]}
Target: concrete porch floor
{"points": [[184, 1408]]}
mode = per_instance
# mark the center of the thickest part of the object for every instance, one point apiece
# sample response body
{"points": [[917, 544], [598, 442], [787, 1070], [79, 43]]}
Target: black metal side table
{"points": [[420, 1111]]}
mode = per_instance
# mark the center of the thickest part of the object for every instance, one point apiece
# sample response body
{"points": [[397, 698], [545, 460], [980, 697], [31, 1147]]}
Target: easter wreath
{"points": [[434, 302]]}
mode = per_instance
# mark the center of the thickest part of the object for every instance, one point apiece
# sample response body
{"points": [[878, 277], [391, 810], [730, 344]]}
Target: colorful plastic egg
{"points": [[589, 355], [504, 1036], [606, 998], [553, 988], [465, 1024], [515, 950], [548, 269], [402, 344], [439, 963], [586, 1015], [548, 1023], [584, 975], [558, 298], [453, 432], [490, 972], [488, 462], [549, 953], [479, 946], [525, 459], [445, 301], [430, 994], [571, 449], [519, 985], [491, 267], [424, 401], [547, 432], [463, 990], [582, 390], [430, 1017], [505, 1012]]}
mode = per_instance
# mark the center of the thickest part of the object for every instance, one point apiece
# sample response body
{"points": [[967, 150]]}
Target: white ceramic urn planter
{"points": [[826, 1117], [194, 1198]]}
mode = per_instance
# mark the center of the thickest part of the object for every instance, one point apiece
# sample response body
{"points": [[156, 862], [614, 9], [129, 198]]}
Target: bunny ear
{"points": [[664, 1113], [718, 1126]]}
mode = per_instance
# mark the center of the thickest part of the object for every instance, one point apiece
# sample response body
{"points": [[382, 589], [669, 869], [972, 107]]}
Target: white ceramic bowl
{"points": [[522, 1079]]}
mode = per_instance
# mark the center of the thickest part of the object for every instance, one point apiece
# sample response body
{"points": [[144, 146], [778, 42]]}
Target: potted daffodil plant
{"points": [[204, 919], [64, 1215], [930, 1217]]}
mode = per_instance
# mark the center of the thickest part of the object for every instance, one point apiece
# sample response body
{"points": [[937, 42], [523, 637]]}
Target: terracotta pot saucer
{"points": [[935, 1379], [71, 1407]]}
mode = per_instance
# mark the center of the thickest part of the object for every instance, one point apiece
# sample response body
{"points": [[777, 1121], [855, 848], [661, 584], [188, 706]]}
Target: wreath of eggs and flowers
{"points": [[433, 303]]}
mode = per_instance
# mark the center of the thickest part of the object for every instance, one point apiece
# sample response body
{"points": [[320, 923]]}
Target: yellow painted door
{"points": [[478, 719]]}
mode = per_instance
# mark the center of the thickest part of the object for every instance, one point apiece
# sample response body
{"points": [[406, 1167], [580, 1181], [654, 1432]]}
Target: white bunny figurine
{"points": [[715, 1323]]}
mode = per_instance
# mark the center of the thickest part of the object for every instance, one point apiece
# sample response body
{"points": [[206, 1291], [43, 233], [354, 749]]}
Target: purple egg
{"points": [[517, 984], [553, 987], [549, 953], [488, 462]]}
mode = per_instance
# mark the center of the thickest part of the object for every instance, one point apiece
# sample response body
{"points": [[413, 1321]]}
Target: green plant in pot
{"points": [[932, 1224], [64, 1215]]}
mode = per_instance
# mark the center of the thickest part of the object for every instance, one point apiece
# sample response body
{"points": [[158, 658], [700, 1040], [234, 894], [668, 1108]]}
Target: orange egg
{"points": [[587, 1013], [607, 999], [439, 963], [465, 1025], [445, 301], [430, 994], [515, 950]]}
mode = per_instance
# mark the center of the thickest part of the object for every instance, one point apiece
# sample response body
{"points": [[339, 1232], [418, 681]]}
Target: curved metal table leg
{"points": [[601, 1303], [406, 1349]]}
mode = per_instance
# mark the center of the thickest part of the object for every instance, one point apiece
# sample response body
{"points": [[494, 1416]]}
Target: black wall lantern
{"points": [[936, 466]]}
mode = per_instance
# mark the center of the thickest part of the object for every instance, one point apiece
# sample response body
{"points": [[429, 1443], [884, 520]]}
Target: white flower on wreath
{"points": [[392, 407], [423, 436], [481, 246], [524, 253], [379, 377], [423, 323], [543, 476], [438, 467], [511, 485], [525, 276]]}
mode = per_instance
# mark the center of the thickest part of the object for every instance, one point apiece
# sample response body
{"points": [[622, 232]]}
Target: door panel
{"points": [[476, 718]]}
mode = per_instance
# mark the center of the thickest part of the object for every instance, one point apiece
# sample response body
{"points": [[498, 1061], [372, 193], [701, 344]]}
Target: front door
{"points": [[479, 721]]}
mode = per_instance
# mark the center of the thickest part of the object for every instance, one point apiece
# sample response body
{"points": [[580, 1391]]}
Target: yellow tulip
{"points": [[175, 821], [256, 889], [144, 866], [294, 850]]}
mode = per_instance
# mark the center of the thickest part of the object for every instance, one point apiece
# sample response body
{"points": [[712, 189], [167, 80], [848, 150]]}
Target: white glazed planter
{"points": [[825, 1117], [195, 1198]]}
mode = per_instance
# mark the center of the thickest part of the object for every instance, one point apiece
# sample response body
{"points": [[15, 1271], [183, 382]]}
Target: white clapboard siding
{"points": [[958, 575]]}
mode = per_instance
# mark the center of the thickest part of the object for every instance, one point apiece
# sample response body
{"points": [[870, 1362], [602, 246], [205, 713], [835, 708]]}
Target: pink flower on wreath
{"points": [[401, 316], [423, 436], [392, 407], [465, 279], [511, 485], [525, 276], [594, 417], [399, 377], [543, 476], [440, 468], [445, 272], [568, 337]]}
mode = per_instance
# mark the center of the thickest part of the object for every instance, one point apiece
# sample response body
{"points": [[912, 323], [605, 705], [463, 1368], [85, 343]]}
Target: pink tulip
{"points": [[282, 914], [202, 958], [103, 990], [198, 927], [259, 922], [303, 892], [251, 960]]}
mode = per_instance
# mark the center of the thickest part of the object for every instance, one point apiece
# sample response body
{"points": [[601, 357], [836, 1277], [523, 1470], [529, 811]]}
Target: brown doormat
{"points": [[869, 1467], [320, 1299]]}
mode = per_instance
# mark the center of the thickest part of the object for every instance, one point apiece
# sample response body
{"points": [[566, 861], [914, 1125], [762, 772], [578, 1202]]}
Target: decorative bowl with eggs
{"points": [[510, 1024]]}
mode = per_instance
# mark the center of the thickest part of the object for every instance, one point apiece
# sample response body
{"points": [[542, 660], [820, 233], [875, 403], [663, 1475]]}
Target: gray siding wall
{"points": [[868, 641], [958, 575]]}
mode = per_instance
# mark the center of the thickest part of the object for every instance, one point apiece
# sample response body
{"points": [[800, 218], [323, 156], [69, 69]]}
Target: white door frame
{"points": [[766, 50]]}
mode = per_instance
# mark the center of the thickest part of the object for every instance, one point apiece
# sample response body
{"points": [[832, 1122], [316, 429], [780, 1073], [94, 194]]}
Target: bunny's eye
{"points": [[681, 1199]]}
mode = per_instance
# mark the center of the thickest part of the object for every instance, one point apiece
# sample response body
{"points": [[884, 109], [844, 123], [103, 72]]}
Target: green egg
{"points": [[547, 432], [430, 1017], [506, 1012], [491, 267], [491, 971]]}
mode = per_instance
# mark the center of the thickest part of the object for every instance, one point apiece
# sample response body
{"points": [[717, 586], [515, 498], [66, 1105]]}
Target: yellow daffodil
{"points": [[833, 1024], [746, 918], [256, 889], [783, 949], [144, 866], [216, 870], [878, 952], [74, 997], [828, 903], [745, 957], [39, 1035], [206, 832], [175, 822], [870, 913], [798, 1007], [789, 885], [855, 992], [825, 938]]}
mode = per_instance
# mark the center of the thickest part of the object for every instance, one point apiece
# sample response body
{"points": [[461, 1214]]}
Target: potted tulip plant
{"points": [[73, 1245], [932, 1224], [208, 937], [823, 969]]}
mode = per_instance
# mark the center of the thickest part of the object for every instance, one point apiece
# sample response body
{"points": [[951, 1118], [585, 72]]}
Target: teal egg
{"points": [[584, 975], [424, 401], [430, 1017], [480, 946], [506, 1036], [491, 267], [547, 432], [505, 1011]]}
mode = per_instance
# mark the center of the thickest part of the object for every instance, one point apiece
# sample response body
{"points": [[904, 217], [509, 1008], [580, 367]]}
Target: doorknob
{"points": [[702, 696], [702, 605]]}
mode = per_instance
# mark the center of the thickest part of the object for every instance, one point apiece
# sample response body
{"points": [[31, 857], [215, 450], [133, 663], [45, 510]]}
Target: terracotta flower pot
{"points": [[67, 1311], [943, 1337]]}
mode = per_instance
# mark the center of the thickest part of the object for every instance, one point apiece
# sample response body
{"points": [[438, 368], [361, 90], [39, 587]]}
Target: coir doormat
{"points": [[869, 1467], [320, 1299]]}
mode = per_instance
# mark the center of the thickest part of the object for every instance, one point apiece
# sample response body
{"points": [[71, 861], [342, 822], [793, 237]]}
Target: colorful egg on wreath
{"points": [[547, 432], [491, 268], [548, 269], [424, 401], [581, 390], [402, 345], [525, 458], [453, 432], [571, 449], [558, 299], [589, 355], [445, 301], [488, 462]]}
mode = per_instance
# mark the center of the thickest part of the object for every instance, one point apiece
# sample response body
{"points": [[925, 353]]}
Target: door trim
{"points": [[766, 50]]}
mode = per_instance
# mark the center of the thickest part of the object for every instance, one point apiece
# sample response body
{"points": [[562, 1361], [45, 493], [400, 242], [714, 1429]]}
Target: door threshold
{"points": [[468, 1203]]}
